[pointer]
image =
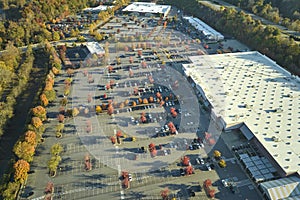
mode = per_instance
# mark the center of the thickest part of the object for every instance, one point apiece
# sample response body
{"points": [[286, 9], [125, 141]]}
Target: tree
{"points": [[98, 37], [60, 127], [56, 149], [30, 137], [75, 112], [217, 154], [11, 191], [145, 101], [36, 122], [110, 109], [53, 163], [61, 118], [40, 112], [21, 168], [98, 109], [24, 150], [133, 103], [165, 194], [152, 149], [49, 188], [222, 163], [44, 100], [189, 170], [185, 161], [64, 101], [140, 100], [172, 128], [50, 95]]}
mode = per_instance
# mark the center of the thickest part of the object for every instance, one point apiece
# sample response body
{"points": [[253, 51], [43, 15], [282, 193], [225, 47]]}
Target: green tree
{"points": [[56, 149], [24, 150], [11, 191], [55, 36]]}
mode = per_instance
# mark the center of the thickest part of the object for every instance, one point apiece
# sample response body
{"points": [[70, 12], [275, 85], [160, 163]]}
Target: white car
{"points": [[165, 152], [208, 167], [167, 128]]}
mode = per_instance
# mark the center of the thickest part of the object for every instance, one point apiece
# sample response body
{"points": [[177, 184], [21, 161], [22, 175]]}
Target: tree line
{"points": [[25, 147], [280, 14], [264, 38], [14, 76]]}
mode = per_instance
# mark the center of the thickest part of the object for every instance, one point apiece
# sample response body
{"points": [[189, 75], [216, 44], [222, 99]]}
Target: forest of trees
{"points": [[285, 12], [26, 23], [266, 39]]}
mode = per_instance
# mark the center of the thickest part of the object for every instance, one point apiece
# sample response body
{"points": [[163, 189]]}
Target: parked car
{"points": [[182, 172], [225, 182], [208, 167]]}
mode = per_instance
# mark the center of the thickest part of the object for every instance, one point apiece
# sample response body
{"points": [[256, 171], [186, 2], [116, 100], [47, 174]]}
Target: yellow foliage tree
{"points": [[217, 154], [75, 112], [222, 163], [24, 150], [98, 109]]}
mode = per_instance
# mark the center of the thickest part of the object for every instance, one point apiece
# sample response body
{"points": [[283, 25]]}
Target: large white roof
{"points": [[205, 29], [145, 7], [95, 48], [98, 8], [252, 89]]}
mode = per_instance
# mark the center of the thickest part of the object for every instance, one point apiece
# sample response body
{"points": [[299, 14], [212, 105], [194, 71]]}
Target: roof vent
{"points": [[278, 110]]}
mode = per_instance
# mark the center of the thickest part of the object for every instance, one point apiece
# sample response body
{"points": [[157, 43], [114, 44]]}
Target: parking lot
{"points": [[132, 77]]}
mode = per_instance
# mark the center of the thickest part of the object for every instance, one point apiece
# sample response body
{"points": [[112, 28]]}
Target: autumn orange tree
{"points": [[110, 109], [36, 122], [40, 112], [44, 100], [189, 170], [185, 161], [30, 137], [36, 125], [21, 168], [145, 101], [61, 118], [165, 194]]}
